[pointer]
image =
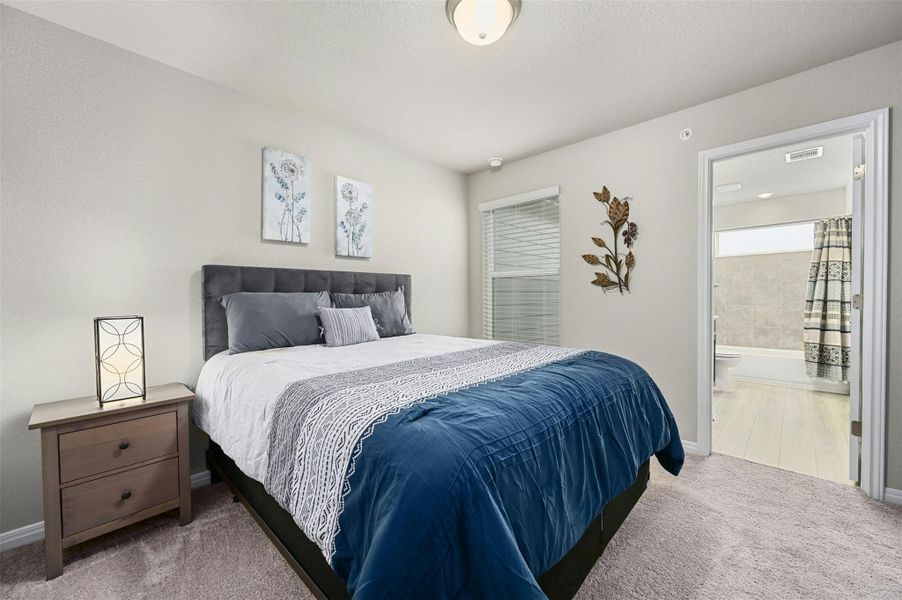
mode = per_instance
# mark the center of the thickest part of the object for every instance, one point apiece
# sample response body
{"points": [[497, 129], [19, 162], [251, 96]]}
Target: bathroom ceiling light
{"points": [[482, 22], [765, 195], [729, 187]]}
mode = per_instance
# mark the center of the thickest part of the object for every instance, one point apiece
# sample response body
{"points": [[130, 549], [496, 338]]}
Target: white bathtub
{"points": [[780, 367]]}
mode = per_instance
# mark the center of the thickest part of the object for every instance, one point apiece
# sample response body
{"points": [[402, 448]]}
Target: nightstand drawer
{"points": [[96, 502], [107, 447]]}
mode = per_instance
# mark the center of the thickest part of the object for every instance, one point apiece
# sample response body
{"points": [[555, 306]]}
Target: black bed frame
{"points": [[561, 582]]}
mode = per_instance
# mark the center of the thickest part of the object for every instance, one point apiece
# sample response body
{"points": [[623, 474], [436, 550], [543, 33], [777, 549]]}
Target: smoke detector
{"points": [[495, 164], [806, 154]]}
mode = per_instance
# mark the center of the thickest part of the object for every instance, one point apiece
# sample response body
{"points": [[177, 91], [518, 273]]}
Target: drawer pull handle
{"points": [[126, 494], [123, 445]]}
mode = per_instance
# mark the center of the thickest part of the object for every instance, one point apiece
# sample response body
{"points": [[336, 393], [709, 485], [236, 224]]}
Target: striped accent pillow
{"points": [[346, 326]]}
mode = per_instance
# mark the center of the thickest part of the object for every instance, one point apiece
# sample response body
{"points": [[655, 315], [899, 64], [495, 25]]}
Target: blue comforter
{"points": [[475, 493]]}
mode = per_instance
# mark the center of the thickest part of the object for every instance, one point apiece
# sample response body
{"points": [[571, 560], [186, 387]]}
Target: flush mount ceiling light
{"points": [[482, 22], [729, 187], [765, 195]]}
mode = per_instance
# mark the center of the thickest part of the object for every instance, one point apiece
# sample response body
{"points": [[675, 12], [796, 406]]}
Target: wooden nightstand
{"points": [[105, 468]]}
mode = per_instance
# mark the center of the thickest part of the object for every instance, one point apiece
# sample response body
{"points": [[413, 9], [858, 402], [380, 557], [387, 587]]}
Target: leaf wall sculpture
{"points": [[617, 269]]}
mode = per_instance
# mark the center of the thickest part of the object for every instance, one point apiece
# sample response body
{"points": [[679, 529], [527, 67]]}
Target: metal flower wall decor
{"points": [[617, 267]]}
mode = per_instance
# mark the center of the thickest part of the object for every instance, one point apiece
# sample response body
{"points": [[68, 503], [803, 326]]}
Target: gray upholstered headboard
{"points": [[219, 280]]}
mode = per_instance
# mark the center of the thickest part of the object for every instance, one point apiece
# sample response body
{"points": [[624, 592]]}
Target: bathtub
{"points": [[778, 367]]}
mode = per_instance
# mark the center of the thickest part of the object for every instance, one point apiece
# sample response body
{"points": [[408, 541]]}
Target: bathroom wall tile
{"points": [[758, 272], [772, 262], [792, 307], [742, 336], [769, 295], [793, 289], [726, 336], [767, 337], [747, 290], [718, 298], [729, 294], [792, 317], [767, 316], [791, 339], [743, 314], [760, 299], [726, 312], [737, 315]]}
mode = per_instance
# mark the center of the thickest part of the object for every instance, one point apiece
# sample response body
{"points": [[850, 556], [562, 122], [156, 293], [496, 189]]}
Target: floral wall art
{"points": [[353, 213], [286, 197], [615, 264]]}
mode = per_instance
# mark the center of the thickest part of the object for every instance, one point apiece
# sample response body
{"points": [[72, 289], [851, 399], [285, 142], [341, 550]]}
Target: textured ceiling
{"points": [[768, 171], [564, 72]]}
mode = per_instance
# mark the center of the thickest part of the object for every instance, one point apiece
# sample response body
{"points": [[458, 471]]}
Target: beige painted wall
{"points": [[122, 176], [656, 325], [785, 209]]}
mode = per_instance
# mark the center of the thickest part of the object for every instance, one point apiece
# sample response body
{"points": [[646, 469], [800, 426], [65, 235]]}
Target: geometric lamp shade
{"points": [[119, 351]]}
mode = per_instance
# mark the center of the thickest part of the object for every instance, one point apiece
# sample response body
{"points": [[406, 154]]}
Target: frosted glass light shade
{"points": [[482, 22], [119, 352]]}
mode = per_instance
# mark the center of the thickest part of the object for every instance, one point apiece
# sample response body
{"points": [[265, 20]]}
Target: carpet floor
{"points": [[724, 529]]}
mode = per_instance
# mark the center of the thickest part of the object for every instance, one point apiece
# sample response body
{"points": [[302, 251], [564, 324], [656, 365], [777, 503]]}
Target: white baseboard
{"points": [[200, 479], [691, 447], [893, 496], [34, 532], [21, 536]]}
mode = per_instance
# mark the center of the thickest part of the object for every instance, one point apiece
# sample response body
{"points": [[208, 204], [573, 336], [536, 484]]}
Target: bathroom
{"points": [[783, 217]]}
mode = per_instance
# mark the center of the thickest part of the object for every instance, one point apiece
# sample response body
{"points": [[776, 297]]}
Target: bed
{"points": [[422, 465]]}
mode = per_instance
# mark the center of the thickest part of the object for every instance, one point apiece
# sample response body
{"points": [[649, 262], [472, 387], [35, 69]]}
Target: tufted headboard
{"points": [[219, 280]]}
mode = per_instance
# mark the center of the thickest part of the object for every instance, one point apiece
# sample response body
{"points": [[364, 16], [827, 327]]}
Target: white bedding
{"points": [[236, 392]]}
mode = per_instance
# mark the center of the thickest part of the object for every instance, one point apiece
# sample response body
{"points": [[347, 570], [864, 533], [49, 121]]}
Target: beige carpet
{"points": [[725, 529]]}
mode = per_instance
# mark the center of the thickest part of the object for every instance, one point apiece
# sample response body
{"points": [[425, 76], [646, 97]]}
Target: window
{"points": [[769, 239], [521, 266]]}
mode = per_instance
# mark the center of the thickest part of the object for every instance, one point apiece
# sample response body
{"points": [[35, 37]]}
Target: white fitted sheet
{"points": [[236, 393]]}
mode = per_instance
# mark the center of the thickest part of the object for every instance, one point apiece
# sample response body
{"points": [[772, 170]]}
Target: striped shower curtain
{"points": [[828, 302]]}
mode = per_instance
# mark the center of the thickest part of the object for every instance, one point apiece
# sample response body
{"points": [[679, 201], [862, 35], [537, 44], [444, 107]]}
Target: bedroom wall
{"points": [[122, 176], [656, 325]]}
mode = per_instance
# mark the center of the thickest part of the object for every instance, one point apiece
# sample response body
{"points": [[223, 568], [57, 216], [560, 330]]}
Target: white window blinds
{"points": [[521, 267]]}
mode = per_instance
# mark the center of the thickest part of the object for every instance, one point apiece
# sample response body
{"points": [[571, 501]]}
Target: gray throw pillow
{"points": [[264, 320], [346, 326], [389, 310]]}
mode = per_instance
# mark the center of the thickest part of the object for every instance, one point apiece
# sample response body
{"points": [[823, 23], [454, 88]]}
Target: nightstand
{"points": [[105, 468]]}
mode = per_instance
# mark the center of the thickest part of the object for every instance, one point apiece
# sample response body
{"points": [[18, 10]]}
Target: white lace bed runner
{"points": [[319, 424]]}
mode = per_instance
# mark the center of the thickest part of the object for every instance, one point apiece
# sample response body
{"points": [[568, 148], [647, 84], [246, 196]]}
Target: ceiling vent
{"points": [[806, 154]]}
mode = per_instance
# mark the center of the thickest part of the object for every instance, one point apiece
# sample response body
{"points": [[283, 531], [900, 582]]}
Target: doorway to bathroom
{"points": [[783, 280], [792, 314]]}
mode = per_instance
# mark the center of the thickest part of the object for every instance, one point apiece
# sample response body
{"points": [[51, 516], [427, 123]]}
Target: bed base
{"points": [[561, 582]]}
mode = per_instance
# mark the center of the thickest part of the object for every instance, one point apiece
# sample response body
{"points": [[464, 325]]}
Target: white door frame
{"points": [[875, 126]]}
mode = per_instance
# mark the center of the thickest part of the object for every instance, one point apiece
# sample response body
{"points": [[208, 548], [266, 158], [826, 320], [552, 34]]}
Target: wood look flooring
{"points": [[789, 428]]}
